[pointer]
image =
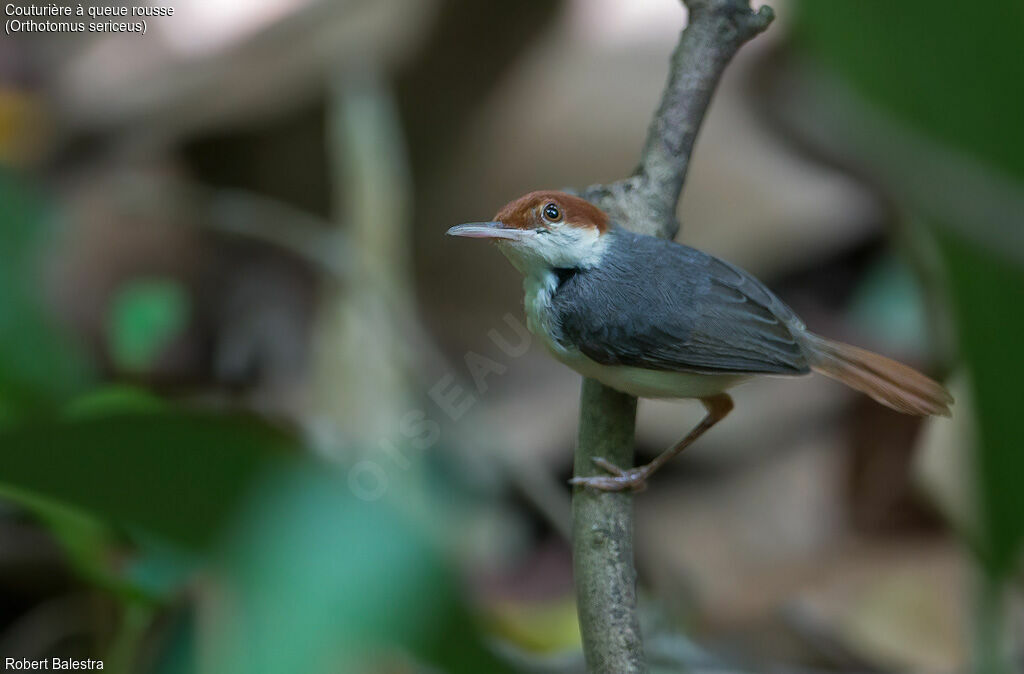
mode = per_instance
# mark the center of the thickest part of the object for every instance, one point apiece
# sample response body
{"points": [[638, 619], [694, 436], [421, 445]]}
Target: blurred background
{"points": [[257, 414]]}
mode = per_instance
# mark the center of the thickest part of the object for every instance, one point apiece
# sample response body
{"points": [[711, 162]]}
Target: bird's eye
{"points": [[552, 213]]}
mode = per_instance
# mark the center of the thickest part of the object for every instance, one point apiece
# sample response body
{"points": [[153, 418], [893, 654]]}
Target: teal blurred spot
{"points": [[145, 317], [890, 302], [156, 570]]}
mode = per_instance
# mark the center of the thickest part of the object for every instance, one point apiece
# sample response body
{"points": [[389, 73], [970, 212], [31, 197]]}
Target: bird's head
{"points": [[544, 230]]}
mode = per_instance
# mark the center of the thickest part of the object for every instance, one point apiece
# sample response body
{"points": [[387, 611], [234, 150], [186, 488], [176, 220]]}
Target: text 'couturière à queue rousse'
{"points": [[40, 18]]}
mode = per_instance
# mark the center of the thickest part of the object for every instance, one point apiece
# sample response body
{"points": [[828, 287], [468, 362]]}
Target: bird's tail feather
{"points": [[893, 384]]}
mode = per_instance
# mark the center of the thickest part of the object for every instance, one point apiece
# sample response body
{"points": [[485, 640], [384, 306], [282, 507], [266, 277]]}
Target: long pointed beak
{"points": [[489, 230]]}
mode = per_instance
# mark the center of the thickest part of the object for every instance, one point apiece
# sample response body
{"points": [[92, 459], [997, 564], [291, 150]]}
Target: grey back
{"points": [[661, 305]]}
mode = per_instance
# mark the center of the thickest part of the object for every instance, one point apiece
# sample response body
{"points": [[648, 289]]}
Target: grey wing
{"points": [[742, 326], [681, 310]]}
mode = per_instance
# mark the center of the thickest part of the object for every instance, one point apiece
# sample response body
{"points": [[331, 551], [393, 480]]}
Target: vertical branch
{"points": [[603, 537], [644, 202], [358, 340]]}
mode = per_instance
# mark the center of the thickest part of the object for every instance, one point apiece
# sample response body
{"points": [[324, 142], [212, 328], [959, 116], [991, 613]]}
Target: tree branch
{"points": [[644, 202], [602, 537]]}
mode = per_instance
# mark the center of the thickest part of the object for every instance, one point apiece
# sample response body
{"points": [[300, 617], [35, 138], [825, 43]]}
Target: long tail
{"points": [[893, 384]]}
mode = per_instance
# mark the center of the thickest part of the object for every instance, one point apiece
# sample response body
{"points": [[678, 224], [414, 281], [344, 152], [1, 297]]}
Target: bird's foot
{"points": [[634, 479]]}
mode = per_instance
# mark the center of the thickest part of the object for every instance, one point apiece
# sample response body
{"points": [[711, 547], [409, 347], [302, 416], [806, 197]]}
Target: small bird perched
{"points": [[657, 319]]}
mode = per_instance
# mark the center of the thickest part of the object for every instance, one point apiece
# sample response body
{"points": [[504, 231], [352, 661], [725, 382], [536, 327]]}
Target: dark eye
{"points": [[552, 213]]}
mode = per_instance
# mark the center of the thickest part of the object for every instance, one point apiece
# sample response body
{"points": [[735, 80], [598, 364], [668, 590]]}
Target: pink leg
{"points": [[635, 479]]}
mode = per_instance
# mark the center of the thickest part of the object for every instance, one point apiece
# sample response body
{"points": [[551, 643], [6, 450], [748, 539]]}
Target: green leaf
{"points": [[952, 70], [987, 292], [319, 581], [113, 399], [87, 542], [949, 75], [176, 475]]}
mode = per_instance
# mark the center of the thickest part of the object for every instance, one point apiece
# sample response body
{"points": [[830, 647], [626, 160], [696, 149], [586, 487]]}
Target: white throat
{"points": [[537, 261], [537, 292]]}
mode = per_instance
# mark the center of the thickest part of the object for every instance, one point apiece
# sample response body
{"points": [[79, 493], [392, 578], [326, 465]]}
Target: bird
{"points": [[658, 319]]}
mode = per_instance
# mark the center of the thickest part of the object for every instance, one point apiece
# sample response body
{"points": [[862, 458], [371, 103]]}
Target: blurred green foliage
{"points": [[952, 70], [179, 512], [316, 576], [145, 496], [952, 73], [86, 540], [112, 399], [176, 474], [39, 367], [142, 495], [987, 292], [958, 82], [323, 577]]}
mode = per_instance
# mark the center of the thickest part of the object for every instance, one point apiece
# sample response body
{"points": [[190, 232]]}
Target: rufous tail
{"points": [[893, 384]]}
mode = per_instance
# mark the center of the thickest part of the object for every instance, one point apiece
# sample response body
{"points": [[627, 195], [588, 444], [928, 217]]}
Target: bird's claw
{"points": [[608, 467], [634, 479]]}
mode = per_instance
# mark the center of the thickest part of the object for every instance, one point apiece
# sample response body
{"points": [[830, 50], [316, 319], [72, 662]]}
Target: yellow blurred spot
{"points": [[536, 626], [22, 127]]}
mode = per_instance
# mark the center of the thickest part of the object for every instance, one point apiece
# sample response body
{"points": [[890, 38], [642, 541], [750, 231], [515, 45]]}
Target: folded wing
{"points": [[663, 306]]}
